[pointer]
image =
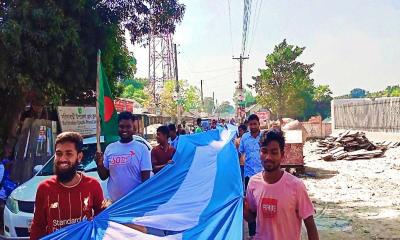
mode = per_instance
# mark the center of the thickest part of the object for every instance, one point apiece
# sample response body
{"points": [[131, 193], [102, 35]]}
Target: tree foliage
{"points": [[390, 91], [358, 93], [225, 107], [145, 16], [135, 89], [190, 94], [322, 101], [285, 85], [49, 47], [248, 98], [209, 105]]}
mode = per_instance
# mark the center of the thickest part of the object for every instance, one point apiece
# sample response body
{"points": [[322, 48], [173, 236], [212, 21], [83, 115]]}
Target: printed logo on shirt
{"points": [[85, 203], [132, 153], [54, 205], [120, 159], [269, 207]]}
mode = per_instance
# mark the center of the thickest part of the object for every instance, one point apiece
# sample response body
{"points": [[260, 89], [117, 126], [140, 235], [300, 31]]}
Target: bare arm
{"points": [[248, 215], [312, 231], [157, 168], [103, 172], [145, 175]]}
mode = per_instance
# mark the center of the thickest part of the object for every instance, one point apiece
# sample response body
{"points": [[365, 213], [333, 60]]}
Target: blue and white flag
{"points": [[198, 196]]}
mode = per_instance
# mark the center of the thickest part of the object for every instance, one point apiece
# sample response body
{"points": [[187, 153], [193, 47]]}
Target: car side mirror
{"points": [[37, 168]]}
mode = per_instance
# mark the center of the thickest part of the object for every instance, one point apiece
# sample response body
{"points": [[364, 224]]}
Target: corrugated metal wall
{"points": [[381, 114]]}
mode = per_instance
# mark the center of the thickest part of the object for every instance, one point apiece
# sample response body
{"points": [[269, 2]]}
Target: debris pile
{"points": [[351, 145]]}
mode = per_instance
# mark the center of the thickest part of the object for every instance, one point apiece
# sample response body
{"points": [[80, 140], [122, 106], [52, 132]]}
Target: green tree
{"points": [[225, 107], [190, 94], [285, 86], [49, 47], [249, 99], [192, 99], [322, 100], [358, 93], [135, 89], [390, 91], [209, 105]]}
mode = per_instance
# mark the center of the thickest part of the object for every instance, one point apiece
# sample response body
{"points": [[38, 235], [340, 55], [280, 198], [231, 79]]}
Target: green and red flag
{"points": [[107, 113]]}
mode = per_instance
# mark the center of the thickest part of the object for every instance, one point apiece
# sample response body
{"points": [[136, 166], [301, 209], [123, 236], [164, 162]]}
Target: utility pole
{"points": [[201, 92], [240, 87], [213, 98], [178, 109]]}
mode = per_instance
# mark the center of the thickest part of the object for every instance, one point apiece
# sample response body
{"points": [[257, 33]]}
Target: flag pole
{"points": [[98, 129]]}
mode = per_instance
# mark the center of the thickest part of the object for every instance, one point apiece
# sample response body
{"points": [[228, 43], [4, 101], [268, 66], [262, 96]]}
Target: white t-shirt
{"points": [[125, 161]]}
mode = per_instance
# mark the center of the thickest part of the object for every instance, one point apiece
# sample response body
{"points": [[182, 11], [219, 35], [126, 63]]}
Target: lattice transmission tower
{"points": [[161, 65]]}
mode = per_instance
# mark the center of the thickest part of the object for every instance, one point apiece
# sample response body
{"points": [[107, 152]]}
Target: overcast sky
{"points": [[352, 43]]}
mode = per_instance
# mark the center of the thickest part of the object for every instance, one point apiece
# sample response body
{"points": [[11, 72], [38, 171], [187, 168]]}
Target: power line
{"points": [[230, 24], [246, 22], [215, 70], [255, 24]]}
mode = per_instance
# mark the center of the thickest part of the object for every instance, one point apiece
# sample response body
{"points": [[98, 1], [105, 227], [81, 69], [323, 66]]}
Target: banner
{"points": [[198, 196], [78, 119]]}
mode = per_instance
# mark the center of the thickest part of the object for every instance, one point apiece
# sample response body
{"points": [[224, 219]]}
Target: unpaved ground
{"points": [[355, 199]]}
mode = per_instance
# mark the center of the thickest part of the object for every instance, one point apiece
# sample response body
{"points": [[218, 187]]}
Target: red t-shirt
{"points": [[57, 206], [161, 156]]}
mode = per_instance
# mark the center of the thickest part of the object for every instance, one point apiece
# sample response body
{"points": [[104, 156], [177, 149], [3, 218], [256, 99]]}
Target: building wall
{"points": [[381, 114], [317, 130]]}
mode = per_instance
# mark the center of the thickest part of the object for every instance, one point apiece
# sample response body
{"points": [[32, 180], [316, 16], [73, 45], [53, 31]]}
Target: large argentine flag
{"points": [[199, 196]]}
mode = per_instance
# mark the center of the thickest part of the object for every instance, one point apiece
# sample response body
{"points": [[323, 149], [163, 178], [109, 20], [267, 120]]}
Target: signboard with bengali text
{"points": [[78, 119]]}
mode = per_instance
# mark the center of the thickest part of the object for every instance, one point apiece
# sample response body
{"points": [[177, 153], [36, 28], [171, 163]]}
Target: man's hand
{"points": [[248, 215], [106, 203], [101, 170], [312, 231], [99, 157]]}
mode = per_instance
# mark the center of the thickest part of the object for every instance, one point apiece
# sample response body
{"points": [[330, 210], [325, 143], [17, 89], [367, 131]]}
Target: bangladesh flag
{"points": [[108, 114]]}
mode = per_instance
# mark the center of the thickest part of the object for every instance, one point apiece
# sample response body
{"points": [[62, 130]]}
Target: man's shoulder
{"points": [[112, 145], [257, 178], [88, 180], [139, 145], [293, 181], [156, 148], [48, 183], [245, 136]]}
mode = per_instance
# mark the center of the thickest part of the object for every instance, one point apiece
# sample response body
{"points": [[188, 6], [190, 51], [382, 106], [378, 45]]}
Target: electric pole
{"points": [[240, 87], [178, 109], [201, 92]]}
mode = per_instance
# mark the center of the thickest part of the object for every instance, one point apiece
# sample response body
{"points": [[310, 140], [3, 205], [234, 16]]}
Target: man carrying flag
{"points": [[126, 163]]}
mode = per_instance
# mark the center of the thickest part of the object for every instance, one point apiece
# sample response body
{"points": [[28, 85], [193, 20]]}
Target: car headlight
{"points": [[12, 204]]}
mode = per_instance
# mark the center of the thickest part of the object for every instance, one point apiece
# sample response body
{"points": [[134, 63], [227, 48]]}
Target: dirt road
{"points": [[355, 199]]}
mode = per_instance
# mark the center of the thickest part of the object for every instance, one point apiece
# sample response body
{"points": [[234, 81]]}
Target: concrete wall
{"points": [[378, 115]]}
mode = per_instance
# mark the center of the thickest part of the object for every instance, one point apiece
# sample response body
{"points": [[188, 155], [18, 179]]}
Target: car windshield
{"points": [[87, 164]]}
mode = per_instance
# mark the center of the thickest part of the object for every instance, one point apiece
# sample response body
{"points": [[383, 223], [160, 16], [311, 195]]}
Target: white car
{"points": [[18, 213]]}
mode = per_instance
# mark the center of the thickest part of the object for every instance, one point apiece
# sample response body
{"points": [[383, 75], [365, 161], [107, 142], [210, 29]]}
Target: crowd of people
{"points": [[275, 202]]}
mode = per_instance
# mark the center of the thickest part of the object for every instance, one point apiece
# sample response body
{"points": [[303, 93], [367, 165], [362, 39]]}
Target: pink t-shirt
{"points": [[280, 206]]}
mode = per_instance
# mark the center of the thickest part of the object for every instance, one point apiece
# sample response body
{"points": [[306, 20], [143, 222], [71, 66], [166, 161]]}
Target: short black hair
{"points": [[198, 121], [164, 130], [125, 115], [253, 117], [172, 127], [273, 135], [243, 127], [73, 137]]}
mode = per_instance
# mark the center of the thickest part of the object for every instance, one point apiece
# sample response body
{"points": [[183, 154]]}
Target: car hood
{"points": [[27, 191]]}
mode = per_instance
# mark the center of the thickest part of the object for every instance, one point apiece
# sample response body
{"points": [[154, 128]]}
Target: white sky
{"points": [[353, 43]]}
